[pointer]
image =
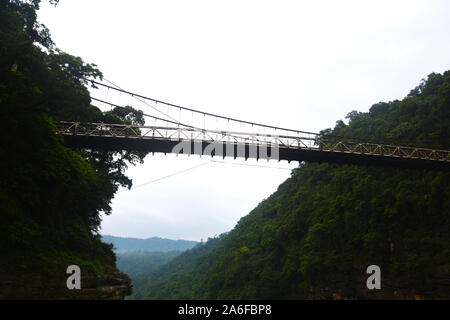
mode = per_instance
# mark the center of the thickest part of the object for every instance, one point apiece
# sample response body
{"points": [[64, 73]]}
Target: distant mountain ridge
{"points": [[153, 244]]}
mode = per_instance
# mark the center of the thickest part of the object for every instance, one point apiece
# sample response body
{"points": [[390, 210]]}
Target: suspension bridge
{"points": [[182, 130]]}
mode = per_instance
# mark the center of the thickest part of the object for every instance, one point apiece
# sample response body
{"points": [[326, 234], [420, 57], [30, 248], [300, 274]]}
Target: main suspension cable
{"points": [[326, 136], [145, 114], [194, 110]]}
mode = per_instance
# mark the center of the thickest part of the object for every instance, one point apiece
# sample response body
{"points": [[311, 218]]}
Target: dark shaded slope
{"points": [[52, 197]]}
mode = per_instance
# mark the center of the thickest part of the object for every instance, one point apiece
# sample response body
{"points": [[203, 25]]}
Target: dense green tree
{"points": [[52, 197]]}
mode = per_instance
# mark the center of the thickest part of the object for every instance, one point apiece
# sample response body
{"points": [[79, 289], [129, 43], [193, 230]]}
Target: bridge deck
{"points": [[162, 145]]}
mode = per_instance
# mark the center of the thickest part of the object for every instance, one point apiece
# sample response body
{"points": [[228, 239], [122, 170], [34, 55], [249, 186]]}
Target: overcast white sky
{"points": [[297, 64]]}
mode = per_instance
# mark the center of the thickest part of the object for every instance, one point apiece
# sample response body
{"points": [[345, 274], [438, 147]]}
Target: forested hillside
{"points": [[154, 244], [316, 235], [180, 266], [51, 197], [136, 263]]}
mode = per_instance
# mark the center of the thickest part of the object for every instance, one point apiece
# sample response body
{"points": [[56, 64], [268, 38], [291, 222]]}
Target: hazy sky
{"points": [[297, 64]]}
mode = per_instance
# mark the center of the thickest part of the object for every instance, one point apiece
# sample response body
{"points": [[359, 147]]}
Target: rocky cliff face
{"points": [[51, 285]]}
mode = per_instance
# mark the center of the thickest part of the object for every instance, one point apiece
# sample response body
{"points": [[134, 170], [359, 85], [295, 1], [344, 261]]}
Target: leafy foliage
{"points": [[51, 196]]}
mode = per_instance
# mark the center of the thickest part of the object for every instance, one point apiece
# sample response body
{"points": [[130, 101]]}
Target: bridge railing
{"points": [[179, 134], [384, 150]]}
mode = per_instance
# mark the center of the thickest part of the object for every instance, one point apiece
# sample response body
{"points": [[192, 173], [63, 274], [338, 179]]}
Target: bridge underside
{"points": [[288, 154]]}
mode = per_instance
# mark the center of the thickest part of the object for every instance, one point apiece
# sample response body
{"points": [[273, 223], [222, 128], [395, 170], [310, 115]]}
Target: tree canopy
{"points": [[52, 197]]}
